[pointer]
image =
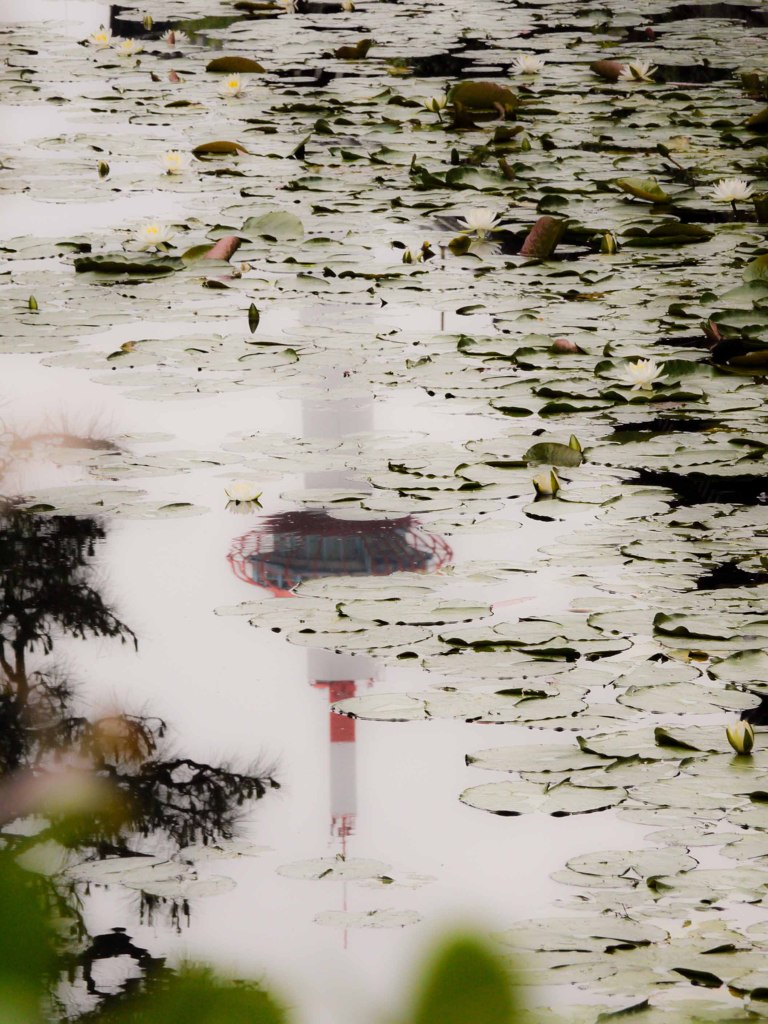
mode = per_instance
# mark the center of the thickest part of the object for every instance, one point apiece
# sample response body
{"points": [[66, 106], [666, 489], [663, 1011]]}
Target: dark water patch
{"points": [[442, 65], [317, 7], [684, 341], [758, 715], [696, 74], [730, 576], [691, 215], [756, 17], [127, 28], [709, 488], [474, 43], [748, 356], [663, 425], [314, 78]]}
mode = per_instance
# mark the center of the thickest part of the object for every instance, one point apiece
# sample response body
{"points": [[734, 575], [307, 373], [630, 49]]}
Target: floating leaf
{"points": [[552, 453], [234, 65], [335, 869], [146, 266], [483, 96], [539, 758], [279, 225], [219, 148], [644, 188], [368, 918], [356, 52], [512, 798]]}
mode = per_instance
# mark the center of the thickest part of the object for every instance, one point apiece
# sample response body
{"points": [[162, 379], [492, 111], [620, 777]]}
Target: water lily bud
{"points": [[609, 245], [564, 345], [575, 443], [242, 490], [741, 736], [32, 303], [148, 21], [525, 143], [347, 5], [103, 168], [435, 103], [712, 331], [253, 317], [546, 485]]}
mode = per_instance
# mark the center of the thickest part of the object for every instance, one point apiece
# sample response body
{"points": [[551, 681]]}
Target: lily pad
{"points": [[513, 798]]}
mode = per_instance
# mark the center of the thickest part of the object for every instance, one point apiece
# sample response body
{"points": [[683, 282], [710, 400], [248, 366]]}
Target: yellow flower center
{"points": [[152, 229]]}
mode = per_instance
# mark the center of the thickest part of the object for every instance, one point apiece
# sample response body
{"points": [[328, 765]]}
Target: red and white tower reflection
{"points": [[285, 549], [343, 773]]}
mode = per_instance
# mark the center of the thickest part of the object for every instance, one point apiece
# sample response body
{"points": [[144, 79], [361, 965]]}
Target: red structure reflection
{"points": [[295, 546], [285, 550]]}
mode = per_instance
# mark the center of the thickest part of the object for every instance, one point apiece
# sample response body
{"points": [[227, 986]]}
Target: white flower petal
{"points": [[731, 190], [242, 490]]}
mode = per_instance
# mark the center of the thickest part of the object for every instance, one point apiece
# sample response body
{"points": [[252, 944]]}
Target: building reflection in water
{"points": [[289, 548]]}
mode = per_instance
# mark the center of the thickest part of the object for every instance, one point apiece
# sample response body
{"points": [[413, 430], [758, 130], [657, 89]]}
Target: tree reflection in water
{"points": [[163, 802]]}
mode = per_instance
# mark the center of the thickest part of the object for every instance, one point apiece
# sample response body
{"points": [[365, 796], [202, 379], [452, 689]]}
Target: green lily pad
{"points": [[513, 798]]}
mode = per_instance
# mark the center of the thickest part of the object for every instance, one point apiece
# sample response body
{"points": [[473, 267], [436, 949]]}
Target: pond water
{"points": [[405, 689]]}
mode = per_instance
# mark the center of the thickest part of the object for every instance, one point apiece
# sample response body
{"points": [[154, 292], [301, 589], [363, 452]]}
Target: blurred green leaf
{"points": [[466, 983], [26, 947], [197, 996]]}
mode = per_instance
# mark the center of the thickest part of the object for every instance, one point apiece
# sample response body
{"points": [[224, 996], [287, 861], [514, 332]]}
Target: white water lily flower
{"points": [[643, 374], [546, 485], [127, 47], [242, 490], [436, 103], [175, 37], [480, 221], [741, 736], [731, 190], [638, 71], [233, 85], [527, 64], [152, 236], [100, 40], [174, 161]]}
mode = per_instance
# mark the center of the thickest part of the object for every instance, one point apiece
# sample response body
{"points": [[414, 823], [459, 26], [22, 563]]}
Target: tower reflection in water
{"points": [[282, 552]]}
